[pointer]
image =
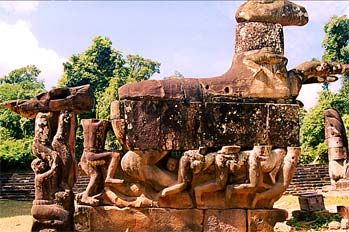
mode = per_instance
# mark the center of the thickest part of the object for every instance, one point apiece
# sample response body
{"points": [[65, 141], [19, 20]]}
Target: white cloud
{"points": [[346, 11], [21, 7], [19, 47]]}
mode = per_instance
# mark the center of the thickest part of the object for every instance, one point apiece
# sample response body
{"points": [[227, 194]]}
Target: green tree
{"points": [[16, 133], [336, 44], [336, 40], [24, 74], [20, 83], [105, 69], [312, 135], [135, 68]]}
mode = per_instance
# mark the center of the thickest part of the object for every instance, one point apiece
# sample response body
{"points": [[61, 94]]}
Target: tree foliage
{"points": [[105, 69], [21, 75], [312, 134], [336, 40], [20, 83], [16, 132], [16, 153]]}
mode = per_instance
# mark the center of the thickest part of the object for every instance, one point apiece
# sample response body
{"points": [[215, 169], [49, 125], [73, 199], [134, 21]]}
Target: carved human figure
{"points": [[46, 210], [283, 179], [142, 165], [45, 129], [55, 136], [46, 180], [63, 144], [337, 146], [54, 145], [172, 164], [262, 160], [55, 170], [94, 158], [192, 162], [226, 161]]}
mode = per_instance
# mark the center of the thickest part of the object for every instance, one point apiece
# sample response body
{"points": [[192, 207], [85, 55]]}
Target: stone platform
{"points": [[111, 218]]}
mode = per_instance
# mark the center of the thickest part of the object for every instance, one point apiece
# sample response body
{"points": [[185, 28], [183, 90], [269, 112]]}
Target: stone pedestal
{"points": [[111, 218]]}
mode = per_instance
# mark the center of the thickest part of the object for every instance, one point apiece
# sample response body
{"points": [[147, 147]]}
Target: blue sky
{"points": [[193, 37]]}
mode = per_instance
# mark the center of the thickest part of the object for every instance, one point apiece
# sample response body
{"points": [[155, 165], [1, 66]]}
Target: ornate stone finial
{"points": [[272, 11]]}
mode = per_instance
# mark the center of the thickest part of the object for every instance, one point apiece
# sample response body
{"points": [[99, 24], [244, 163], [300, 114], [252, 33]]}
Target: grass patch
{"points": [[291, 202], [287, 202], [336, 200], [317, 220], [11, 208]]}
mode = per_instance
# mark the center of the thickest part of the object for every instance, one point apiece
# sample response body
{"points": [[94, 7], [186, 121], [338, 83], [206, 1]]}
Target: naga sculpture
{"points": [[337, 143]]}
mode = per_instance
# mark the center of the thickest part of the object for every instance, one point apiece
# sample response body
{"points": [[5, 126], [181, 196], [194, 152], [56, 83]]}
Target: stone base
{"points": [[111, 218]]}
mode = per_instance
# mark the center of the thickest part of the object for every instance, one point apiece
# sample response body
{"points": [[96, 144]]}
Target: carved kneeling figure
{"points": [[94, 159], [226, 161], [283, 178], [192, 162], [263, 159], [51, 209]]}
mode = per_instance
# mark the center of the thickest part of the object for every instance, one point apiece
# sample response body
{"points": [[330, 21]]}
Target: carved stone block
{"points": [[180, 123], [79, 99], [264, 220], [142, 120], [343, 211], [225, 220], [311, 202], [256, 35], [283, 125], [234, 123], [110, 218], [342, 184]]}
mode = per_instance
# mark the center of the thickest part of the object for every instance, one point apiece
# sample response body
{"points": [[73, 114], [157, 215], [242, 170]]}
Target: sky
{"points": [[195, 38]]}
